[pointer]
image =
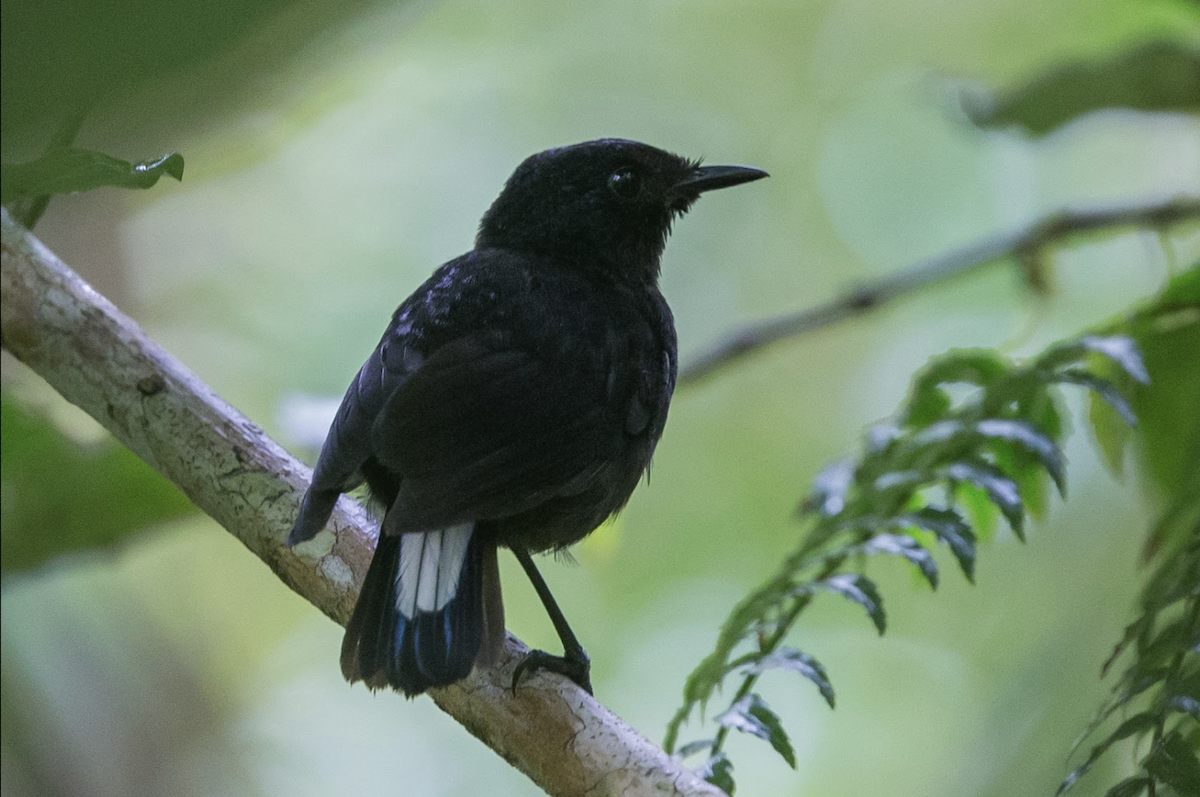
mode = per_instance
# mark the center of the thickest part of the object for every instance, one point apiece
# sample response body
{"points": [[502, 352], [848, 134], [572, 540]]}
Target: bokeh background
{"points": [[338, 152]]}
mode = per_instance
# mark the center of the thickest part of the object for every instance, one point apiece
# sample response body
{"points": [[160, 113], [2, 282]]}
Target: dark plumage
{"points": [[515, 400]]}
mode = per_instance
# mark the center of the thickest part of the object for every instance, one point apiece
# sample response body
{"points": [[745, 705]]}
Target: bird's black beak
{"points": [[709, 178]]}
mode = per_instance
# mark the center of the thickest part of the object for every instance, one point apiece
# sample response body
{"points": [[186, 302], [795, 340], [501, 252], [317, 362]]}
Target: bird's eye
{"points": [[625, 183]]}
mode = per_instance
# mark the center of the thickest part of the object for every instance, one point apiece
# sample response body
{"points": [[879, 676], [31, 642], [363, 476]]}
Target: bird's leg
{"points": [[574, 662]]}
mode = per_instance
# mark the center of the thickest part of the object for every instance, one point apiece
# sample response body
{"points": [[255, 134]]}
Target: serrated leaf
{"points": [[1102, 388], [899, 479], [1123, 351], [950, 528], [1138, 723], [828, 496], [879, 436], [1039, 407], [1130, 787], [1001, 490], [718, 770], [977, 507], [861, 590], [1033, 441], [937, 434], [910, 549], [691, 748], [1120, 350], [751, 715], [1111, 433], [69, 170], [806, 665], [1166, 643]]}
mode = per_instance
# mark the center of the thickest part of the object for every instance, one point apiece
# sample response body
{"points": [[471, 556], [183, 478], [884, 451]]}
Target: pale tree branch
{"points": [[1024, 246], [101, 360]]}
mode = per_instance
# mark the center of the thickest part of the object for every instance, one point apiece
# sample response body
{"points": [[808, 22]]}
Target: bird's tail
{"points": [[429, 610]]}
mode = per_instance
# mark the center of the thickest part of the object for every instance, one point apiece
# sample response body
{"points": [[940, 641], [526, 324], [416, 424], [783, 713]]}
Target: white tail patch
{"points": [[430, 565]]}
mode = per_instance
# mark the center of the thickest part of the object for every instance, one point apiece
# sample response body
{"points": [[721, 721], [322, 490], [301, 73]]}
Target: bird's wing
{"points": [[348, 444], [481, 430]]}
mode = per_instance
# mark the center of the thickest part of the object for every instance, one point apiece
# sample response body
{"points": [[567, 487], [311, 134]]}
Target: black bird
{"points": [[515, 400]]}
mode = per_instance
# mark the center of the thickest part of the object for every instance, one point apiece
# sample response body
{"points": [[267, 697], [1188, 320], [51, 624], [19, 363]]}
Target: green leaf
{"points": [[718, 770], [1138, 723], [1167, 642], [828, 496], [1187, 704], [1111, 432], [907, 480], [861, 590], [751, 715], [1157, 76], [691, 748], [1123, 351], [1033, 441], [1169, 425], [970, 366], [1183, 290], [949, 527], [1001, 490], [806, 665], [910, 549], [1130, 787], [927, 400], [926, 406], [54, 483], [1173, 761], [68, 170]]}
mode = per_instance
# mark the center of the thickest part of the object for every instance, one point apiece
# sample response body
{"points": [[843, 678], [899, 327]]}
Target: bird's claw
{"points": [[577, 668]]}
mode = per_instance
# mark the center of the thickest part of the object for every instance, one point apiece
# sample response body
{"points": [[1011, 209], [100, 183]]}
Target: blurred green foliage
{"points": [[53, 487], [60, 59], [899, 498], [1158, 76], [1156, 696]]}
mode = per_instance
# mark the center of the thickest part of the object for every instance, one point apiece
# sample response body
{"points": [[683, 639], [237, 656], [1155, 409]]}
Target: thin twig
{"points": [[1024, 245], [99, 359]]}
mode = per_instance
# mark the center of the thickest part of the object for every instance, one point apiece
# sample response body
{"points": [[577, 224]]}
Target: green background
{"points": [[337, 153]]}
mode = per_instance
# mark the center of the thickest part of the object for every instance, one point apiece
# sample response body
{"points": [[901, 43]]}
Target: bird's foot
{"points": [[577, 668]]}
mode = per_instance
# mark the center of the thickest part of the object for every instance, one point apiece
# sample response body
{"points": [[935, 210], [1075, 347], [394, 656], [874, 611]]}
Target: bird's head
{"points": [[606, 204]]}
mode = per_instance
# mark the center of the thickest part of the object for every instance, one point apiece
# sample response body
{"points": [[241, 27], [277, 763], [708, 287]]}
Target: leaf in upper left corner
{"points": [[70, 170]]}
